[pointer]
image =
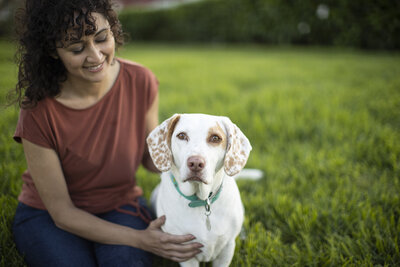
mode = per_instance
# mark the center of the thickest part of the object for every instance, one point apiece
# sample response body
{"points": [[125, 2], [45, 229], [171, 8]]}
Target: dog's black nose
{"points": [[196, 163]]}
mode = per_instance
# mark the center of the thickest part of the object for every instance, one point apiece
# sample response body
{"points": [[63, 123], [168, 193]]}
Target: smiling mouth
{"points": [[95, 68]]}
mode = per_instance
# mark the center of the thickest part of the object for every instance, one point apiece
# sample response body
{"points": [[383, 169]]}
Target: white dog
{"points": [[196, 154]]}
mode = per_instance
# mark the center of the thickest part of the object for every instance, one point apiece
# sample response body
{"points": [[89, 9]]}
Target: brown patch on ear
{"points": [[217, 130], [238, 149], [158, 143], [171, 128]]}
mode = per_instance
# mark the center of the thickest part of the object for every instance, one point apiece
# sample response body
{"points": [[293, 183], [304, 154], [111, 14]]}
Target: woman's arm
{"points": [[151, 123], [45, 169]]}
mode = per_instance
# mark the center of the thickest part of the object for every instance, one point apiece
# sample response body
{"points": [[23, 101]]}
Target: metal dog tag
{"points": [[208, 212], [208, 224]]}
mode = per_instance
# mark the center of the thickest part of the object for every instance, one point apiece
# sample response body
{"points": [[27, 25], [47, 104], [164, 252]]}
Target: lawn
{"points": [[325, 128]]}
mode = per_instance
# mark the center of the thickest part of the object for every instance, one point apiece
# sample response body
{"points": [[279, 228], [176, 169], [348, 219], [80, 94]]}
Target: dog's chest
{"points": [[208, 225], [225, 219], [214, 240]]}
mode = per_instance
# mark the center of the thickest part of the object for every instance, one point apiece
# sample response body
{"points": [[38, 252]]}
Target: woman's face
{"points": [[89, 59]]}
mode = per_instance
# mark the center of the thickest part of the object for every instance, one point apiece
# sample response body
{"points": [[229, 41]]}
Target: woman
{"points": [[83, 123]]}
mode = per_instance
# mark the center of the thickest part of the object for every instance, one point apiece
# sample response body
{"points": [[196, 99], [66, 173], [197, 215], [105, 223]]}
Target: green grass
{"points": [[325, 129]]}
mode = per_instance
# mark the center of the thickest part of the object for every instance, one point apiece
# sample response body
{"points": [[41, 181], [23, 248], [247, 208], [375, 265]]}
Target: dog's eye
{"points": [[182, 136], [215, 139]]}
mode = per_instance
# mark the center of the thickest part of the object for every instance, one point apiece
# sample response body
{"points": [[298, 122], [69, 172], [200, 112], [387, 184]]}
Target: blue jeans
{"points": [[42, 243]]}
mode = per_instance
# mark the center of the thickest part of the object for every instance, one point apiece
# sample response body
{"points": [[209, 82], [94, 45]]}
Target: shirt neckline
{"points": [[101, 100]]}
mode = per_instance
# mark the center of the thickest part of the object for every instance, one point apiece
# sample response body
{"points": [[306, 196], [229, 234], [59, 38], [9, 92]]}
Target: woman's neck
{"points": [[81, 94]]}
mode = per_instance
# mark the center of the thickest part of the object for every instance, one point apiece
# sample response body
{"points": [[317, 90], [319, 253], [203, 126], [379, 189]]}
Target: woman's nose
{"points": [[94, 54]]}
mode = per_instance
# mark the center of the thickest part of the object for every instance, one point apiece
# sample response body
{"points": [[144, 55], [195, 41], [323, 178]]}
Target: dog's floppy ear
{"points": [[159, 143], [238, 148]]}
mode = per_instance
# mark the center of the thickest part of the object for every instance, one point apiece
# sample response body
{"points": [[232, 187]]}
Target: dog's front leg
{"points": [[190, 263], [226, 255]]}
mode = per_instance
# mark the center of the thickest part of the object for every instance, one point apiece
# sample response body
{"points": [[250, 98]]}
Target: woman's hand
{"points": [[173, 247]]}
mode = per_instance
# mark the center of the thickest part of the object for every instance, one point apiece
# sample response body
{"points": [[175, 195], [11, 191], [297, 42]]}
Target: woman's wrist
{"points": [[135, 238]]}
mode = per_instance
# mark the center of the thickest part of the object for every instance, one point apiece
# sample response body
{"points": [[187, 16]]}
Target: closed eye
{"points": [[182, 136], [102, 38], [77, 48], [78, 51]]}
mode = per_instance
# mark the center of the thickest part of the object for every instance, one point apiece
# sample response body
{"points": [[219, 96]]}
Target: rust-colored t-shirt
{"points": [[100, 147]]}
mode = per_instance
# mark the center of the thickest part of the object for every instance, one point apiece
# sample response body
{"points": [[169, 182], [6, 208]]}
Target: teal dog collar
{"points": [[194, 200]]}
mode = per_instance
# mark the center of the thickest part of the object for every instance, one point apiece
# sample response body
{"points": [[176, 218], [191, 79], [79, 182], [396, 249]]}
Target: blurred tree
{"points": [[7, 8]]}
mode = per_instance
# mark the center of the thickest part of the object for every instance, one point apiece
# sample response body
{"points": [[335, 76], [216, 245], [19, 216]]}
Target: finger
{"points": [[179, 239], [157, 223], [184, 248], [179, 257]]}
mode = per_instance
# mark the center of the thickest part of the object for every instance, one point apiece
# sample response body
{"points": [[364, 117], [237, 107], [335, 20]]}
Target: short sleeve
{"points": [[152, 88], [33, 128]]}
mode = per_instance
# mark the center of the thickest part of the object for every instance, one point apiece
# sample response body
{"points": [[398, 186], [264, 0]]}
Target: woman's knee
{"points": [[41, 243]]}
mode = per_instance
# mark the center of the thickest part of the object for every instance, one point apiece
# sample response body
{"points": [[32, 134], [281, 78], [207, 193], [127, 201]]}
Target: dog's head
{"points": [[198, 148]]}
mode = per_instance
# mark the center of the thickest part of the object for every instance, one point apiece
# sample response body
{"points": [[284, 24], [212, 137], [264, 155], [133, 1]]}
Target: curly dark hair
{"points": [[40, 26]]}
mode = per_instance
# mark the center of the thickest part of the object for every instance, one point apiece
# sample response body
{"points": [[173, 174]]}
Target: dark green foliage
{"points": [[364, 24]]}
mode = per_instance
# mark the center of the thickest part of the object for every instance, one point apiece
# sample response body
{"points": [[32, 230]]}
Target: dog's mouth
{"points": [[195, 179]]}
